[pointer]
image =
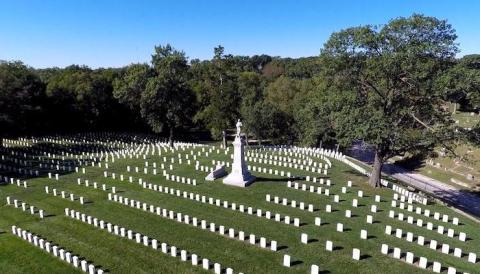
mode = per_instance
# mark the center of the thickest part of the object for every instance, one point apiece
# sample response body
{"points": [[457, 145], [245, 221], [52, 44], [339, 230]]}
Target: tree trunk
{"points": [[224, 141], [377, 170], [454, 108], [170, 137]]}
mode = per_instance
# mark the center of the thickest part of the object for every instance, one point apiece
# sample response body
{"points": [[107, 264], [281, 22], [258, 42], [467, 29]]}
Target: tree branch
{"points": [[420, 122]]}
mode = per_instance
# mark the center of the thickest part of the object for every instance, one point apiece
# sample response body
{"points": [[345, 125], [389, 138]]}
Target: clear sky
{"points": [[109, 33]]}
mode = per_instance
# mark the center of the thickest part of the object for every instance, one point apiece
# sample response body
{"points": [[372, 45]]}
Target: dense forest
{"points": [[389, 85]]}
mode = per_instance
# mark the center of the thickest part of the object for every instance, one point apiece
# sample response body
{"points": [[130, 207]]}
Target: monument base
{"points": [[239, 180], [217, 173]]}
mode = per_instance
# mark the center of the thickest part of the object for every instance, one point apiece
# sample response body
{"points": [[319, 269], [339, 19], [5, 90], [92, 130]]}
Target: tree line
{"points": [[390, 86]]}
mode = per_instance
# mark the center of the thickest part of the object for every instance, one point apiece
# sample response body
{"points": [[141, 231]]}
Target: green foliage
{"points": [[160, 93], [315, 120], [387, 85], [217, 92], [21, 98], [385, 78], [81, 94], [129, 88], [461, 83]]}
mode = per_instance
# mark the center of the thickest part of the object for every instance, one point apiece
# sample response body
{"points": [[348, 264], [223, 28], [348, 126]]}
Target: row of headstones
{"points": [[284, 164], [16, 160], [411, 259], [58, 166], [57, 251], [57, 176], [287, 160], [407, 193], [268, 171], [402, 198], [462, 236], [146, 171], [170, 177], [304, 152], [321, 181], [340, 228], [95, 185], [14, 181], [114, 177], [433, 244], [414, 197], [22, 171], [24, 205], [34, 154], [43, 162], [71, 196], [218, 163], [99, 164], [318, 152], [77, 170], [314, 269], [418, 210], [310, 188], [226, 204], [145, 240], [292, 203], [140, 151], [194, 221], [203, 168], [179, 179], [281, 172], [281, 152], [264, 157], [284, 155], [369, 219]]}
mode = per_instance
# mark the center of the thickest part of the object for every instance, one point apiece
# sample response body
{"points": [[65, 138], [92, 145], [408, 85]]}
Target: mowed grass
{"points": [[125, 256], [466, 119]]}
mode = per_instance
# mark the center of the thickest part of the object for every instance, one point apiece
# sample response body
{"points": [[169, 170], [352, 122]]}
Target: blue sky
{"points": [[107, 33]]}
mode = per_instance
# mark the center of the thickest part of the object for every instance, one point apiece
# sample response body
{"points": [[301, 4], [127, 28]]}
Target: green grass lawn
{"points": [[120, 255], [465, 119]]}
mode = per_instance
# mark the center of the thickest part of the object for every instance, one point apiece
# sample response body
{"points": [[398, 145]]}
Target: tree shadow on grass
{"points": [[271, 180], [48, 166]]}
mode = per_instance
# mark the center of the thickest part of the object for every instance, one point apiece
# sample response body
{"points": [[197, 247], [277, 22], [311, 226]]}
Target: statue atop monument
{"points": [[239, 125], [239, 175]]}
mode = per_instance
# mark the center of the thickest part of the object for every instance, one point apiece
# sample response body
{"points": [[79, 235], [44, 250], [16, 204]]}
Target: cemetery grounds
{"points": [[106, 172]]}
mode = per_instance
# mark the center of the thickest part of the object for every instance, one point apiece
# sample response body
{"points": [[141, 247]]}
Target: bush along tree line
{"points": [[387, 85]]}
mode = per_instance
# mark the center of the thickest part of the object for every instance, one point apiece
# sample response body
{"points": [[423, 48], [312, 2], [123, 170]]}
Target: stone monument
{"points": [[239, 175]]}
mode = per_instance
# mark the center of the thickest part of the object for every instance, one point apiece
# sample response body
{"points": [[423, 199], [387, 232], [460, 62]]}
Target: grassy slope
{"points": [[124, 256]]}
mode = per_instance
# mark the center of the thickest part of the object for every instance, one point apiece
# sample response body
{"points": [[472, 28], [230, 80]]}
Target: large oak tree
{"points": [[384, 78]]}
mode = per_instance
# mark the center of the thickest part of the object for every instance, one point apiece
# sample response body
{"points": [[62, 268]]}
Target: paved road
{"points": [[463, 200]]}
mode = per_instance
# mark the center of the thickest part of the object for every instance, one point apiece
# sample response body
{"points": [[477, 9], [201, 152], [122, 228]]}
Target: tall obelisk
{"points": [[239, 175]]}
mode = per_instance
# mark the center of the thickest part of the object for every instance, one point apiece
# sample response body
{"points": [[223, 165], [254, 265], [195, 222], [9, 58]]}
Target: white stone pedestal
{"points": [[239, 175]]}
